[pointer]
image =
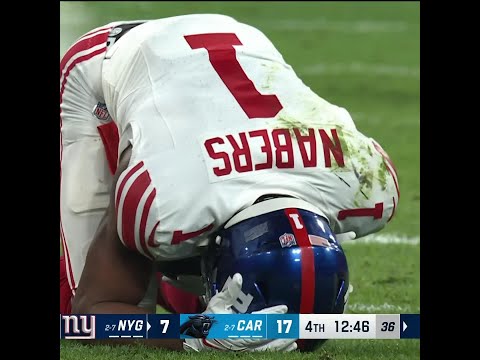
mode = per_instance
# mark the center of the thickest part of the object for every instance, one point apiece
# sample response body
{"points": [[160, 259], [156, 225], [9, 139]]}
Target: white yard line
{"points": [[362, 69], [357, 26], [384, 239], [384, 308]]}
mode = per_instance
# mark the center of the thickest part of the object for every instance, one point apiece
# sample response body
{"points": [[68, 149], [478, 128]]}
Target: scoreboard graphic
{"points": [[231, 326]]}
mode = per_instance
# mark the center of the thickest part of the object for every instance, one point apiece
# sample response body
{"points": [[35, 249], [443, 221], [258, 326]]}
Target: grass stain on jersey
{"points": [[369, 168], [311, 112], [290, 123], [382, 175], [345, 150], [272, 69], [358, 155]]}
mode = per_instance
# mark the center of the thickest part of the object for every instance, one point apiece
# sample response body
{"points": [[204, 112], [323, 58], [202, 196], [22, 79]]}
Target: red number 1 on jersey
{"points": [[223, 58]]}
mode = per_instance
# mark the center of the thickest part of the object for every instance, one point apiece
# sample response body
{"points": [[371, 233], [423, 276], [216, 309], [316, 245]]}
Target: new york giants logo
{"points": [[77, 326]]}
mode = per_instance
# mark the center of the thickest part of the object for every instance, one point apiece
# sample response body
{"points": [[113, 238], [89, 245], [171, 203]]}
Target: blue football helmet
{"points": [[287, 254]]}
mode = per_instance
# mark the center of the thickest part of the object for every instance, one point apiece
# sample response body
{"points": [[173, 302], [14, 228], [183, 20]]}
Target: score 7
{"points": [[165, 323]]}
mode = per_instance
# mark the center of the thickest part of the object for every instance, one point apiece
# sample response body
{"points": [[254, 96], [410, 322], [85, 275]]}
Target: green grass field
{"points": [[366, 58]]}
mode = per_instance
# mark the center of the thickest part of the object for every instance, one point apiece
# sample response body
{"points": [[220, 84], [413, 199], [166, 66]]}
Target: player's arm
{"points": [[115, 279]]}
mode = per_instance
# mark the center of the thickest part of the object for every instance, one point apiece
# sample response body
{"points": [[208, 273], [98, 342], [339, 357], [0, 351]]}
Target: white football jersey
{"points": [[217, 118]]}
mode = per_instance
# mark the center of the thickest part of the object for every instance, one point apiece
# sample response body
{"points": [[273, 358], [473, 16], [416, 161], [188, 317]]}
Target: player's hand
{"points": [[222, 303]]}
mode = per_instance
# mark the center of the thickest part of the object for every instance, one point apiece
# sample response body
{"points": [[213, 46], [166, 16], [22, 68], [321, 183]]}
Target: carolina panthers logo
{"points": [[198, 326]]}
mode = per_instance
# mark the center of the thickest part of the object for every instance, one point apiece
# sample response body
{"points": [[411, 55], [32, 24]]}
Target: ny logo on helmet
{"points": [[287, 240]]}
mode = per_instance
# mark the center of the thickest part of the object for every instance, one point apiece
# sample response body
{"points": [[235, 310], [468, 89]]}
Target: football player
{"points": [[196, 165]]}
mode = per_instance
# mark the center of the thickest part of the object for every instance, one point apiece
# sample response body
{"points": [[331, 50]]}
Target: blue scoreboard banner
{"points": [[221, 326], [227, 326]]}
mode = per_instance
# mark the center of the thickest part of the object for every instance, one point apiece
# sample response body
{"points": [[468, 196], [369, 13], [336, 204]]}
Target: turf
{"points": [[365, 57]]}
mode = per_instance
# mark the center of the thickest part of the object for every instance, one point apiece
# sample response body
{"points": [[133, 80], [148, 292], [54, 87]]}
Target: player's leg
{"points": [[84, 174], [65, 291], [177, 301], [88, 156], [85, 182]]}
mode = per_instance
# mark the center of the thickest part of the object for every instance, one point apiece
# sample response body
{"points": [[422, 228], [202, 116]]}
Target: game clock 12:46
{"points": [[356, 326]]}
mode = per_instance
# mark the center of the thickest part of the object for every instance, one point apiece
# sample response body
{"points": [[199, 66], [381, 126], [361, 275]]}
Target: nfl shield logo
{"points": [[101, 112], [287, 240]]}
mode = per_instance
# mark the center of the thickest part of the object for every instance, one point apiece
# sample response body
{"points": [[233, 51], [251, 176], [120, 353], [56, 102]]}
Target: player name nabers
{"points": [[267, 148]]}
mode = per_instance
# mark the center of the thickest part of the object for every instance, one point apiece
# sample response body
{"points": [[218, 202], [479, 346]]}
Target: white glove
{"points": [[221, 303], [350, 235], [347, 296], [189, 283]]}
